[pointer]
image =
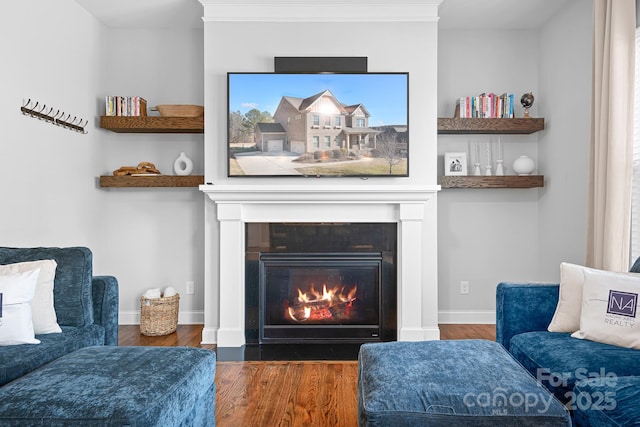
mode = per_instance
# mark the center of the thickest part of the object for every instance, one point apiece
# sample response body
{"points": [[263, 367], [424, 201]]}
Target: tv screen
{"points": [[318, 124]]}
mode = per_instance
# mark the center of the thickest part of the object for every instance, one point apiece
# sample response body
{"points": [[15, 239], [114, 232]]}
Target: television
{"points": [[347, 124]]}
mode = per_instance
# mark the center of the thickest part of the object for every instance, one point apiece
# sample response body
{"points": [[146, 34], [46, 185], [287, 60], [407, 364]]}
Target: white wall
{"points": [[50, 53], [565, 76], [57, 53], [242, 46], [493, 235]]}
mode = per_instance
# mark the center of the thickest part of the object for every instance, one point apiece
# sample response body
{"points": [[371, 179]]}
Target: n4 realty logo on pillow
{"points": [[621, 304]]}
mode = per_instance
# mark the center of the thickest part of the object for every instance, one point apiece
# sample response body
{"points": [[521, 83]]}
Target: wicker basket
{"points": [[159, 316]]}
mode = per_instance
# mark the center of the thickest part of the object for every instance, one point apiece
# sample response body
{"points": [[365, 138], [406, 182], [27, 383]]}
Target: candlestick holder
{"points": [[499, 168], [476, 169]]}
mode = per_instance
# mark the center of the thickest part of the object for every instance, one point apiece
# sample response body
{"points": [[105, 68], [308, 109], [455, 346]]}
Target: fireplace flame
{"points": [[327, 304]]}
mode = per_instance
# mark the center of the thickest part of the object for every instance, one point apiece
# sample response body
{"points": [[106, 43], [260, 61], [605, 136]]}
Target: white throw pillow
{"points": [[16, 293], [44, 316], [610, 310], [567, 315]]}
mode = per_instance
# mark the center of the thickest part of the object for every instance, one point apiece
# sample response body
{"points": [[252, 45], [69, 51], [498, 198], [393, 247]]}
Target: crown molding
{"points": [[320, 11]]}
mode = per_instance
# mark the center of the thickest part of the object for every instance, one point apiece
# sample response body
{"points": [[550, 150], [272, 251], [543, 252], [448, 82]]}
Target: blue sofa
{"points": [[81, 377], [86, 308], [599, 383]]}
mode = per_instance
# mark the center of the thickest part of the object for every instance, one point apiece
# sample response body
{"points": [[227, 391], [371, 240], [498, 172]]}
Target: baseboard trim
{"points": [[209, 336], [485, 317], [419, 334], [445, 317], [184, 317]]}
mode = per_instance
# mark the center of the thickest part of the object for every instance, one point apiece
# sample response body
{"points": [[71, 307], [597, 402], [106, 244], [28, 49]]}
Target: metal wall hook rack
{"points": [[58, 118]]}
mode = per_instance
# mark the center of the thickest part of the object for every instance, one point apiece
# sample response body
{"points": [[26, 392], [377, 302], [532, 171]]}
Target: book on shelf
{"points": [[125, 106], [485, 105]]}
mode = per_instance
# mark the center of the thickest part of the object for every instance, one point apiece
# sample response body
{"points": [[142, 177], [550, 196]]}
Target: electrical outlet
{"points": [[190, 288], [464, 287]]}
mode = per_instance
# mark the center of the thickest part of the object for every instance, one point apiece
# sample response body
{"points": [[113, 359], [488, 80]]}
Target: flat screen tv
{"points": [[318, 124]]}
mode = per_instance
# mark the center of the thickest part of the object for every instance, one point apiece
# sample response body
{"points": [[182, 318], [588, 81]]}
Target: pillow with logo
{"points": [[610, 309], [44, 316], [16, 293], [567, 315]]}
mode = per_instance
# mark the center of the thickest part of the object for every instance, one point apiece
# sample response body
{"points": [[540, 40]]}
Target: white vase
{"points": [[524, 165], [183, 165]]}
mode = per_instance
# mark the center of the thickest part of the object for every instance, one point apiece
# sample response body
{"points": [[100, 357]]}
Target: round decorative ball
{"points": [[524, 165]]}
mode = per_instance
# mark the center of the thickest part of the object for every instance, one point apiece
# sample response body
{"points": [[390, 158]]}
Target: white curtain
{"points": [[635, 193], [610, 162]]}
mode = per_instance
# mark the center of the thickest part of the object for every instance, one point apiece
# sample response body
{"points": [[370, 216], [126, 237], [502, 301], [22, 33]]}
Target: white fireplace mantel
{"points": [[409, 206]]}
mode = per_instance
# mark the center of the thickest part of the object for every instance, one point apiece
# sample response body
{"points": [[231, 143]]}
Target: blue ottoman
{"points": [[450, 383], [115, 386], [606, 401]]}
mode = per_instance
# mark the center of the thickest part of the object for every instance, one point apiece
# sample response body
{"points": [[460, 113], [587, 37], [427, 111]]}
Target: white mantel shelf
{"points": [[318, 193]]}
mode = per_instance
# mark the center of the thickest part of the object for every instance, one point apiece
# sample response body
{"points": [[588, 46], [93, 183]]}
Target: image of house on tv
{"points": [[319, 123]]}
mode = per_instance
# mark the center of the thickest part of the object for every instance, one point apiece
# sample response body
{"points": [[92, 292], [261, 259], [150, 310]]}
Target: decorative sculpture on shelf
{"points": [[527, 101], [499, 159]]}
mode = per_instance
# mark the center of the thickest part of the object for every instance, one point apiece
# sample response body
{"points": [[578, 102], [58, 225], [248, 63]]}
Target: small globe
{"points": [[527, 100]]}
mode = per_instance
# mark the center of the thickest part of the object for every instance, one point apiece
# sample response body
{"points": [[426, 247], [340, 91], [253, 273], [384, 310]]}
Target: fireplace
{"points": [[231, 315], [319, 297], [320, 283]]}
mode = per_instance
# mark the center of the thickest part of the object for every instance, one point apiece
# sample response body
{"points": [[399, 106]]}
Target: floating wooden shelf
{"points": [[151, 181], [528, 181], [489, 126], [153, 124]]}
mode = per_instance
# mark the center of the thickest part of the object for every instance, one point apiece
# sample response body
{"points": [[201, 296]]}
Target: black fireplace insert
{"points": [[315, 283], [325, 296]]}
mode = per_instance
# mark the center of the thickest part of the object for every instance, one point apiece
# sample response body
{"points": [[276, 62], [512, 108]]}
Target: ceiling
{"points": [[154, 14], [469, 14]]}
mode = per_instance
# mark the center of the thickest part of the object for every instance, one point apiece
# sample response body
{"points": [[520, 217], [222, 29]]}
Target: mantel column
{"points": [[232, 236], [410, 262]]}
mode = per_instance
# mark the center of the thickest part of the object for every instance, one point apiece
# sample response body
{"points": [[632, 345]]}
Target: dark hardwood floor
{"points": [[299, 393]]}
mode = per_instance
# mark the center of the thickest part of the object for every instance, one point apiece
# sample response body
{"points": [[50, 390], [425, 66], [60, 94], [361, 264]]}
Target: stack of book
{"points": [[485, 105], [125, 106]]}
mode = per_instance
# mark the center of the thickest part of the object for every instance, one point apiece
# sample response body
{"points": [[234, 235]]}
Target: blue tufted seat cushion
{"points": [[560, 360], [450, 383], [116, 386], [607, 402], [17, 360]]}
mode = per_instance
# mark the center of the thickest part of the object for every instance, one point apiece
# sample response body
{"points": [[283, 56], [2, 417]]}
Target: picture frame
{"points": [[455, 164]]}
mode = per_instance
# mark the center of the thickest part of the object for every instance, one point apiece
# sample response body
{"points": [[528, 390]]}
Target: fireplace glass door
{"points": [[327, 297]]}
